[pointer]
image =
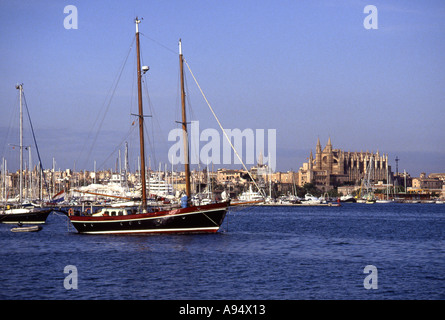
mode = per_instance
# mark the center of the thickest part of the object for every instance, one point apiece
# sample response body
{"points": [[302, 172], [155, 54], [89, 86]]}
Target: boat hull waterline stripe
{"points": [[184, 230], [23, 222]]}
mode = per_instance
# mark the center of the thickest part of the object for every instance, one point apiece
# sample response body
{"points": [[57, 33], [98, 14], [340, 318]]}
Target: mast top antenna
{"points": [[137, 21]]}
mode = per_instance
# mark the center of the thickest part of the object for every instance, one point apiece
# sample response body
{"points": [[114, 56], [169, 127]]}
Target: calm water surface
{"points": [[272, 253]]}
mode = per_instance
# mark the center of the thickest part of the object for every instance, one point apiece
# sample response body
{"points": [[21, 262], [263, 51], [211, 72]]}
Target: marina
{"points": [[153, 205], [221, 151]]}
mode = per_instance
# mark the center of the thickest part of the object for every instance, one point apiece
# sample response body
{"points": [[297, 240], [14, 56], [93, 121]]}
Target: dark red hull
{"points": [[199, 219]]}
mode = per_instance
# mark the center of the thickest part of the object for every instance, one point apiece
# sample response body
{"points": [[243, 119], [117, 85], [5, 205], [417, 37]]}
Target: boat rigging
{"points": [[147, 220]]}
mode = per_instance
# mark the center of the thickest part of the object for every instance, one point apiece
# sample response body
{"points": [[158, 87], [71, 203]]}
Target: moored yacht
{"points": [[348, 198], [24, 214], [310, 199], [250, 195], [146, 219]]}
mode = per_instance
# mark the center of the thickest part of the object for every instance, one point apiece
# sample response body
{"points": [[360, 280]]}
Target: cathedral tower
{"points": [[318, 155]]}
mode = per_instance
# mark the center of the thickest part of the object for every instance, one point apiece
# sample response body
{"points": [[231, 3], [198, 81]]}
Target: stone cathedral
{"points": [[334, 167]]}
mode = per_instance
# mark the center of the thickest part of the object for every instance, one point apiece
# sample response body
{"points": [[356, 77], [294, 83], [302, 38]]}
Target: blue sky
{"points": [[308, 69]]}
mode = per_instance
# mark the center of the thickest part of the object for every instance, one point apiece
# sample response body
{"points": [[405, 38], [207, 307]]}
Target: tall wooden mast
{"points": [[141, 120], [184, 127]]}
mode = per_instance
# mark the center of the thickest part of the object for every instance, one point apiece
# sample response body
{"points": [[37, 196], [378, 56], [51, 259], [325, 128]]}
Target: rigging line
{"points": [[194, 143], [159, 44], [13, 115], [151, 146], [225, 134], [147, 136], [187, 96], [102, 165], [150, 137], [35, 143], [153, 115], [109, 103], [133, 103], [178, 98], [210, 219]]}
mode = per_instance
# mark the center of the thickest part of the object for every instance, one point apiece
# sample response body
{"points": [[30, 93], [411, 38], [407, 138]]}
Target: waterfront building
{"points": [[226, 176], [440, 176], [427, 185], [423, 182]]}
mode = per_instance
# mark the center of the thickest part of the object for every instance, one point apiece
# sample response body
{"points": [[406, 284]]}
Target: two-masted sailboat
{"points": [[147, 219], [20, 213]]}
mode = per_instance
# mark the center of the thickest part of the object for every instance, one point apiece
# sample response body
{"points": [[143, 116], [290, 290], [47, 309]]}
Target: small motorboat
{"points": [[27, 229]]}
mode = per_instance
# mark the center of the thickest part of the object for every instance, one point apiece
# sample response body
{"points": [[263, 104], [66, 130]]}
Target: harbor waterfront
{"points": [[212, 158], [260, 252]]}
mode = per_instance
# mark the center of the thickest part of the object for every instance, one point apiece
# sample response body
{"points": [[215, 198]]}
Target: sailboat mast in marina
{"points": [[18, 213], [20, 88], [154, 219]]}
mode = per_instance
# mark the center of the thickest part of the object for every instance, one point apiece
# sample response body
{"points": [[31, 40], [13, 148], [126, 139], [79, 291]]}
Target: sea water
{"points": [[260, 253]]}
